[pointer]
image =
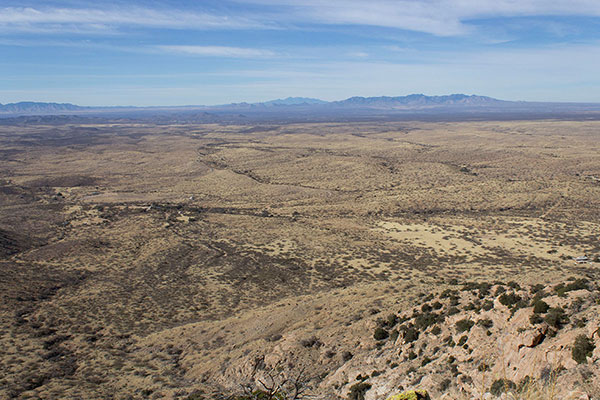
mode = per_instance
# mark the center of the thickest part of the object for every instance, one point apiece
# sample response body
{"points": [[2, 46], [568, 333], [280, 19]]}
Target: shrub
{"points": [[499, 290], [391, 320], [410, 334], [437, 305], [380, 334], [394, 335], [540, 307], [444, 385], [536, 319], [436, 330], [426, 308], [502, 385], [556, 317], [452, 311], [525, 383], [485, 323], [425, 320], [311, 342], [509, 299], [347, 356], [358, 390], [448, 293], [578, 284], [462, 340], [464, 325], [579, 323], [582, 349], [487, 305], [537, 288]]}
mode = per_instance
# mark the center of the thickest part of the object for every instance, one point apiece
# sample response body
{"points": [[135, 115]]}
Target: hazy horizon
{"points": [[171, 53]]}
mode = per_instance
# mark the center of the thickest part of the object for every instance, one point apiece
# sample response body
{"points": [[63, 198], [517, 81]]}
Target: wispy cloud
{"points": [[438, 17], [91, 20], [217, 51]]}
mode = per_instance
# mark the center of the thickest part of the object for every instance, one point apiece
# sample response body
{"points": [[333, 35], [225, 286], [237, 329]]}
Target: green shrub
{"points": [[487, 305], [311, 342], [444, 385], [579, 323], [462, 340], [540, 307], [436, 330], [502, 385], [425, 320], [556, 317], [536, 319], [409, 333], [525, 383], [509, 299], [391, 320], [394, 335], [358, 390], [380, 334], [464, 325], [485, 323], [578, 284], [452, 311], [582, 349]]}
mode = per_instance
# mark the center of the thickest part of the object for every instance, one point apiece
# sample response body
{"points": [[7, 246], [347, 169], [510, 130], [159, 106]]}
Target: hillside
{"points": [[183, 260]]}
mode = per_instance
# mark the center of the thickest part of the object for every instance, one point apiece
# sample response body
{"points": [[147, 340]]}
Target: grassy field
{"points": [[142, 261]]}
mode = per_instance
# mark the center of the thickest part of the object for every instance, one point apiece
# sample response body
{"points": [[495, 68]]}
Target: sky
{"points": [[205, 52]]}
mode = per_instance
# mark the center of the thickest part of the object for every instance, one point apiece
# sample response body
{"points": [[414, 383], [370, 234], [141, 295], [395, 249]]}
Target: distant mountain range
{"points": [[306, 109], [383, 102], [30, 107]]}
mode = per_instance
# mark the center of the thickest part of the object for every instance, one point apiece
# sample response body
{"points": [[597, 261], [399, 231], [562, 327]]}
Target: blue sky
{"points": [[213, 52]]}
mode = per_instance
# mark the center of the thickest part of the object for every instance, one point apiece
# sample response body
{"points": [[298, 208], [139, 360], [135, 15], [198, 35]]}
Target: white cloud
{"points": [[81, 20], [438, 17], [218, 51]]}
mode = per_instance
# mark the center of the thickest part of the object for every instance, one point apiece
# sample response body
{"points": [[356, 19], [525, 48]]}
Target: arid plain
{"points": [[158, 261]]}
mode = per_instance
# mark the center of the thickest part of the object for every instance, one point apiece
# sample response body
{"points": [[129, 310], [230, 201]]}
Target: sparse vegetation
{"points": [[556, 317], [464, 325], [502, 386], [582, 349], [358, 391], [380, 334], [540, 307], [222, 246]]}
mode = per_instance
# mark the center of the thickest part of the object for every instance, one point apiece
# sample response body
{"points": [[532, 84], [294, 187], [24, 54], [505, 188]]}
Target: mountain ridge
{"points": [[412, 100]]}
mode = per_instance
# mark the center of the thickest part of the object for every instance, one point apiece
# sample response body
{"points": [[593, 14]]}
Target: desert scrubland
{"points": [[180, 261]]}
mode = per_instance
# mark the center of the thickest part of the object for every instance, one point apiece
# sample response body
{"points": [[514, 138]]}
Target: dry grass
{"points": [[125, 239]]}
